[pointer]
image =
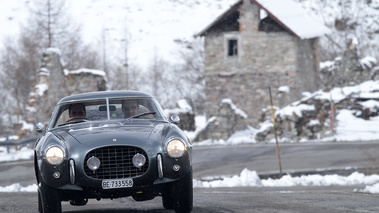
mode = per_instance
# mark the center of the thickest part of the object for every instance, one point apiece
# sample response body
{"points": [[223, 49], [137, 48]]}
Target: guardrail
{"points": [[7, 143]]}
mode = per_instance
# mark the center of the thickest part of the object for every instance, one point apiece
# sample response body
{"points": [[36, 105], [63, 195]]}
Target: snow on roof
{"points": [[290, 15], [287, 13], [220, 18]]}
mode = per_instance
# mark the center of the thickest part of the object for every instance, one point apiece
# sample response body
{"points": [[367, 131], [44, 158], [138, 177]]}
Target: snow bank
{"points": [[16, 187], [249, 178], [13, 155]]}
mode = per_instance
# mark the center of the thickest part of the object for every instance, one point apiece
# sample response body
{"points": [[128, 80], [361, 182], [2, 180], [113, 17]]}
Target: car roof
{"points": [[104, 94]]}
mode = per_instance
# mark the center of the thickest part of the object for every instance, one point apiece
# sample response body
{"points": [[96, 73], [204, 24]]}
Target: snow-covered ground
{"points": [[249, 178]]}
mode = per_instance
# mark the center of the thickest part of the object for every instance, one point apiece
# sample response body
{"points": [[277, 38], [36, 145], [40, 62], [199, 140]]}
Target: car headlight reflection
{"points": [[175, 148], [139, 160], [93, 163], [54, 155]]}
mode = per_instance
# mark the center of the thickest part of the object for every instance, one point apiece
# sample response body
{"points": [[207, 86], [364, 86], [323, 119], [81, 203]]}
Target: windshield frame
{"points": [[63, 107]]}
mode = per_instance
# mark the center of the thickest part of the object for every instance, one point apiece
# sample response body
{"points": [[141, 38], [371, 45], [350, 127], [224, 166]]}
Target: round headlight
{"points": [[93, 163], [54, 155], [139, 160], [175, 148]]}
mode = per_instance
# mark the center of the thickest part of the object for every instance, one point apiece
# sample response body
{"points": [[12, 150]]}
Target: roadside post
{"points": [[276, 137]]}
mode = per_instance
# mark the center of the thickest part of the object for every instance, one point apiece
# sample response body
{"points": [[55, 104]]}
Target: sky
{"points": [[149, 27]]}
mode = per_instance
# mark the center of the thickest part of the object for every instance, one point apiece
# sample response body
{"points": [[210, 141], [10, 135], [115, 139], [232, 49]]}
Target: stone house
{"points": [[258, 44]]}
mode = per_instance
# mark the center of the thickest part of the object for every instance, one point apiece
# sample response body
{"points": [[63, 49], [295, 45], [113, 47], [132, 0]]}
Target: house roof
{"points": [[221, 18], [287, 13]]}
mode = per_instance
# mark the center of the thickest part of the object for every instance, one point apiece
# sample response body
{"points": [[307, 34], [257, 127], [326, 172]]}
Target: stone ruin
{"points": [[225, 123], [54, 83]]}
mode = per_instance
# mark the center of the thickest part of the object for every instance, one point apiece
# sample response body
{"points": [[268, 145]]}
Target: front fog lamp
{"points": [[93, 163], [139, 160], [54, 155], [175, 148]]}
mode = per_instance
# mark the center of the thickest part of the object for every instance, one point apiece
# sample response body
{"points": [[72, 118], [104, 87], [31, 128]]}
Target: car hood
{"points": [[115, 134]]}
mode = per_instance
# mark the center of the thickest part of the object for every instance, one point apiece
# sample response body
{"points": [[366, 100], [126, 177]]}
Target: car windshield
{"points": [[105, 110]]}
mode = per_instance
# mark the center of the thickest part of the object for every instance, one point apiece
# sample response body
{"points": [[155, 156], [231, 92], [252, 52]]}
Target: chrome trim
{"points": [[72, 171], [108, 112], [160, 166]]}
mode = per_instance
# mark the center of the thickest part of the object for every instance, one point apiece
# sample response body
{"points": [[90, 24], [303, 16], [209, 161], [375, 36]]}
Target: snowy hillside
{"points": [[151, 27]]}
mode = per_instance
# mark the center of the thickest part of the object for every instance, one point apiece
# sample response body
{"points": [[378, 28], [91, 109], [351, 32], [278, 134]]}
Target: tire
{"points": [[167, 200], [183, 194], [39, 202], [48, 199]]}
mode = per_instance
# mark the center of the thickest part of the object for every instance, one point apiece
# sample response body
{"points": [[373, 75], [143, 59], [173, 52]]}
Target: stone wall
{"points": [[225, 123]]}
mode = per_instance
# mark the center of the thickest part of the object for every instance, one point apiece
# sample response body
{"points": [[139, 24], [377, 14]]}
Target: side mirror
{"points": [[40, 128], [175, 119]]}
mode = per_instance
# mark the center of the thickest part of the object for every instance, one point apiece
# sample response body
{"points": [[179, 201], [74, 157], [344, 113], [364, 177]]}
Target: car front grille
{"points": [[116, 162]]}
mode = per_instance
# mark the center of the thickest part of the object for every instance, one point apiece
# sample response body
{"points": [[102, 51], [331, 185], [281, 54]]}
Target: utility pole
{"points": [[276, 137]]}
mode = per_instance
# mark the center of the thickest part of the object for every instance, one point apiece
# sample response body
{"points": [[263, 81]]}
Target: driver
{"points": [[77, 111], [130, 107]]}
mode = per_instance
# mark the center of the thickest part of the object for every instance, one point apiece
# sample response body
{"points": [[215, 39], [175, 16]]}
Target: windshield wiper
{"points": [[142, 114]]}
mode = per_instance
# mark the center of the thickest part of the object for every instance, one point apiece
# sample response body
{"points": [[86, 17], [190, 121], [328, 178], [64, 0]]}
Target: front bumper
{"points": [[74, 183]]}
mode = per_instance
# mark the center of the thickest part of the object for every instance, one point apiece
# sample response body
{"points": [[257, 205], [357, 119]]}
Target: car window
{"points": [[97, 110]]}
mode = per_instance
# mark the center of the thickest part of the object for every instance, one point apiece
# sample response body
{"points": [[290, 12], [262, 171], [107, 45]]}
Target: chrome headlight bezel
{"points": [[93, 163], [175, 148], [54, 155], [139, 160]]}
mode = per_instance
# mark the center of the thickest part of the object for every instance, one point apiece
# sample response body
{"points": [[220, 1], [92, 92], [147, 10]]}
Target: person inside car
{"points": [[76, 111], [130, 107]]}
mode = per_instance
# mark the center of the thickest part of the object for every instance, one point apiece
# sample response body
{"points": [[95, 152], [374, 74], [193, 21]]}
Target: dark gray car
{"points": [[109, 145]]}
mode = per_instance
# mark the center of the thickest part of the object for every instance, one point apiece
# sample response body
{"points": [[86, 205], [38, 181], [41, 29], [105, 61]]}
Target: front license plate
{"points": [[116, 184]]}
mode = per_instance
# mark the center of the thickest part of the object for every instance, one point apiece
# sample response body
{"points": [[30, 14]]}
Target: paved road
{"points": [[213, 161], [223, 200], [221, 160]]}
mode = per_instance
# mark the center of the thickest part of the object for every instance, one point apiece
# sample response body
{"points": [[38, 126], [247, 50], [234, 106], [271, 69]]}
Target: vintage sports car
{"points": [[112, 144]]}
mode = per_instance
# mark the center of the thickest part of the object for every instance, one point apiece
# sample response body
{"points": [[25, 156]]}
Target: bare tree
{"points": [[19, 69], [159, 79], [48, 26], [346, 19], [190, 73]]}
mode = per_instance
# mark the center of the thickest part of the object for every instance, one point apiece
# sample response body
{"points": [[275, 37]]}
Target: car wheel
{"points": [[167, 199], [39, 202], [48, 199], [183, 194]]}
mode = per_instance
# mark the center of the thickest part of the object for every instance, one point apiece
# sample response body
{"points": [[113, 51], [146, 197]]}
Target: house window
{"points": [[232, 47]]}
